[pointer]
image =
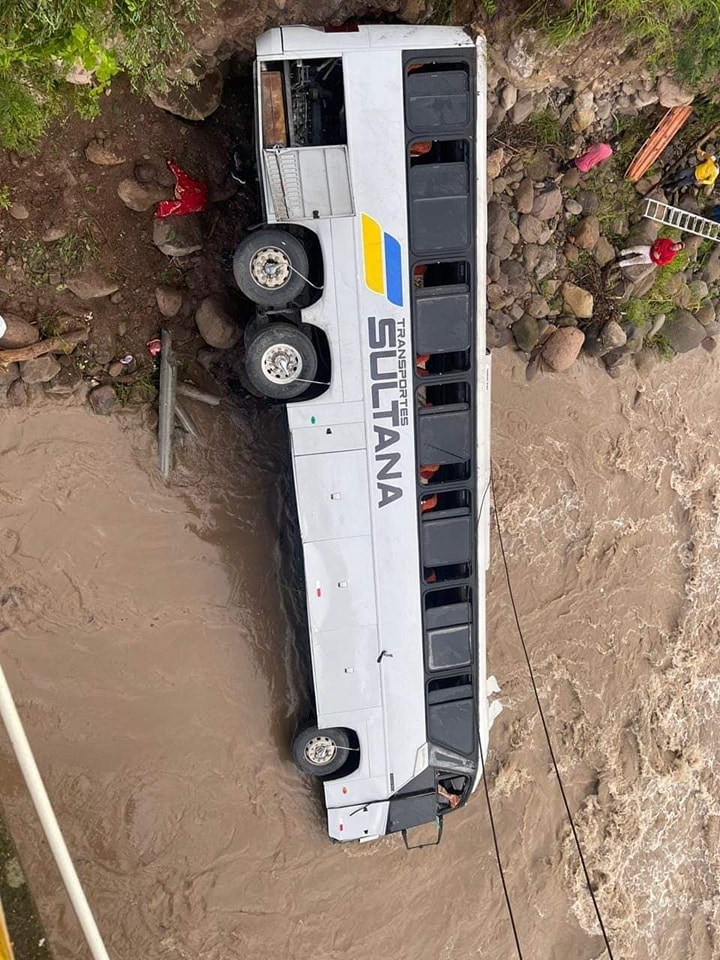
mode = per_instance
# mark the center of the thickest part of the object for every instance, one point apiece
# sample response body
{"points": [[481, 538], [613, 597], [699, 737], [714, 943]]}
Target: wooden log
{"points": [[62, 344], [188, 390]]}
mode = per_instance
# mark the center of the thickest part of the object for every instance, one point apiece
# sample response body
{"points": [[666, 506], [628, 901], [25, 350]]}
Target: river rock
{"points": [[526, 333], [547, 262], [571, 178], [495, 163], [178, 236], [522, 109], [192, 102], [17, 394], [216, 326], [537, 307], [169, 299], [8, 374], [584, 105], [604, 251], [612, 335], [19, 333], [705, 314], [140, 196], [547, 203], [562, 348], [508, 96], [497, 296], [498, 220], [56, 232], [105, 152], [671, 94], [708, 344], [577, 301], [18, 211], [586, 233], [39, 370], [531, 229], [520, 57], [91, 283], [524, 196], [573, 208], [711, 273], [497, 337], [698, 289], [103, 400], [683, 332]]}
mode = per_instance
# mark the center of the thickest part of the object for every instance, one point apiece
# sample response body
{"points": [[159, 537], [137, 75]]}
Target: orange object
{"points": [[428, 503], [430, 576], [420, 363], [428, 471], [421, 148], [662, 135]]}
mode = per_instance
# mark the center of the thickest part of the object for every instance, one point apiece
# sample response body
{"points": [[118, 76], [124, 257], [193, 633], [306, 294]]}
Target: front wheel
{"points": [[281, 361], [270, 267], [321, 752]]}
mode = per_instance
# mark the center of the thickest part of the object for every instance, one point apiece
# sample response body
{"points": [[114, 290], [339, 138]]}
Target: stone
{"points": [[577, 301], [573, 208], [538, 166], [497, 296], [493, 267], [178, 236], [547, 263], [604, 251], [711, 273], [140, 196], [584, 104], [520, 57], [571, 253], [698, 289], [495, 163], [101, 345], [532, 229], [8, 374], [497, 337], [18, 333], [192, 102], [612, 335], [708, 344], [216, 326], [526, 333], [17, 394], [512, 234], [105, 152], [54, 233], [683, 332], [18, 211], [498, 220], [116, 369], [537, 306], [671, 94], [39, 370], [91, 283], [562, 348], [508, 96], [571, 178], [705, 314], [586, 233], [588, 200], [103, 400], [522, 109], [499, 319], [547, 203], [531, 256], [524, 196], [169, 299]]}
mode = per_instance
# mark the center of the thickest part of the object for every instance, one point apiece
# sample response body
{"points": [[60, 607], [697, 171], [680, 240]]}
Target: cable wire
{"points": [[545, 726]]}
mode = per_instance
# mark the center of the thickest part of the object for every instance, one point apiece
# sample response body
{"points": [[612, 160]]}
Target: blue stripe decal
{"points": [[393, 271]]}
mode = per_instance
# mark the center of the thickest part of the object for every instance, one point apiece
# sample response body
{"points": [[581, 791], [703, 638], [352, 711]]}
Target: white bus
{"points": [[368, 274]]}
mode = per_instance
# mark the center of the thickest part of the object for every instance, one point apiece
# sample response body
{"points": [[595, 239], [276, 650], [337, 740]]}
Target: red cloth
{"points": [[661, 251], [592, 157], [191, 196]]}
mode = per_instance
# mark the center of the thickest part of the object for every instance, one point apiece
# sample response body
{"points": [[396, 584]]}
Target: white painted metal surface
{"points": [[682, 219]]}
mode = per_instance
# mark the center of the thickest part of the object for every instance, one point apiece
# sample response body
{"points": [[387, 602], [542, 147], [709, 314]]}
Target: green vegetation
{"points": [[546, 126], [683, 31], [5, 199], [43, 41], [43, 261]]}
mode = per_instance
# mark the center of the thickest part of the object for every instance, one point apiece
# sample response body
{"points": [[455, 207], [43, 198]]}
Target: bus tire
{"points": [[280, 361], [320, 753], [270, 267]]}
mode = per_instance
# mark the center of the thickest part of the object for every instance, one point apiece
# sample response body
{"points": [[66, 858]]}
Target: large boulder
{"points": [[39, 370], [547, 203], [498, 220], [561, 350], [216, 326], [91, 283], [683, 332], [140, 196], [192, 102], [587, 233], [577, 301], [178, 236], [671, 94], [18, 333]]}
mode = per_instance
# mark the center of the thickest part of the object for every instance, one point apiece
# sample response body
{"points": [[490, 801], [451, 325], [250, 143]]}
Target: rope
{"points": [[545, 727]]}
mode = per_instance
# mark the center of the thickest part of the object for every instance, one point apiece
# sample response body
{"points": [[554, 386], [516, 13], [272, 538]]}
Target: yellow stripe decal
{"points": [[372, 240]]}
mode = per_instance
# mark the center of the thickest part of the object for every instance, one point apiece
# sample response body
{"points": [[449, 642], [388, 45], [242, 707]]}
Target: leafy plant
{"points": [[5, 201], [546, 126]]}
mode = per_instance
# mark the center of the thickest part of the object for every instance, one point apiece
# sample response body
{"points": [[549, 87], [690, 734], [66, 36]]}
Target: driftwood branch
{"points": [[192, 392], [63, 344]]}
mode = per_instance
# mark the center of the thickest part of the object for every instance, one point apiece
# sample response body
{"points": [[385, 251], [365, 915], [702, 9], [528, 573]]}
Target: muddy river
{"points": [[153, 640]]}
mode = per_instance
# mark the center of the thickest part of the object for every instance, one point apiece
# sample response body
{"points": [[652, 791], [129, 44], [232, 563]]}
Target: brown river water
{"points": [[154, 641]]}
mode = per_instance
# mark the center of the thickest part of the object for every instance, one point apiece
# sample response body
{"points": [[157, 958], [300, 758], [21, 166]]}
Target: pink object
{"points": [[593, 156], [190, 196], [154, 346]]}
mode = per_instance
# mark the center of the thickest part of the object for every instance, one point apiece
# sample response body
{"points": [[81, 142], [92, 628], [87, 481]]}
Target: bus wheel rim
{"points": [[281, 363], [320, 751], [270, 268]]}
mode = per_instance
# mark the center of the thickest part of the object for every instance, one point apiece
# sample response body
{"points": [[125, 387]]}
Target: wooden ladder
{"points": [[687, 222]]}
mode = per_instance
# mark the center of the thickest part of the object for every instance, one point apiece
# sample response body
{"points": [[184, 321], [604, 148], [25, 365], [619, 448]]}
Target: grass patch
{"points": [[5, 198], [41, 41], [683, 32], [546, 127], [443, 13], [64, 257]]}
